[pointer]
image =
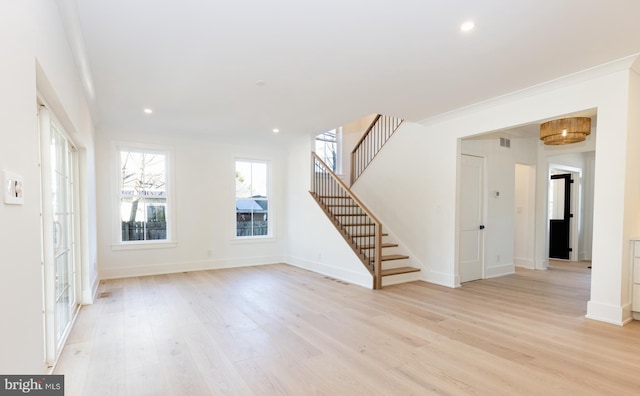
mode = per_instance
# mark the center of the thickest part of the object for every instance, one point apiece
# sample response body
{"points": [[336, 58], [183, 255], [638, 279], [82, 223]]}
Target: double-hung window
{"points": [[252, 198], [144, 195]]}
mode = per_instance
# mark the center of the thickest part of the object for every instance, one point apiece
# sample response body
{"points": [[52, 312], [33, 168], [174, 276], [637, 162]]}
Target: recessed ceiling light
{"points": [[148, 111], [276, 130], [467, 26]]}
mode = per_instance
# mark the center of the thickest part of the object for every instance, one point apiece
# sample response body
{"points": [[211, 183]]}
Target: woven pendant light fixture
{"points": [[565, 130]]}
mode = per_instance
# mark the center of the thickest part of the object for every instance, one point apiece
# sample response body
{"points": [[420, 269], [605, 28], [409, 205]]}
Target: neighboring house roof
{"points": [[264, 204], [248, 205]]}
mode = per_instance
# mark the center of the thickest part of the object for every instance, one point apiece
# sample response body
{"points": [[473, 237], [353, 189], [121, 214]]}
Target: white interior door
{"points": [[58, 234], [471, 254]]}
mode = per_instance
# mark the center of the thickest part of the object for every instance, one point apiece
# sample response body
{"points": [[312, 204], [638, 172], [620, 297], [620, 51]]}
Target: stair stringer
{"points": [[410, 262]]}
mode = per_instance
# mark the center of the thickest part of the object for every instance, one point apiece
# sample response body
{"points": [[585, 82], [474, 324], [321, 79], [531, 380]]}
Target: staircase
{"points": [[358, 226]]}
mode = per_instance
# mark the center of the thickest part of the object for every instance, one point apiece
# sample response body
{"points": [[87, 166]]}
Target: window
{"points": [[252, 199], [144, 195], [328, 148]]}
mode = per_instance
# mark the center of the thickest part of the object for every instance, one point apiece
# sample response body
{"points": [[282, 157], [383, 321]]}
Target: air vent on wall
{"points": [[504, 142]]}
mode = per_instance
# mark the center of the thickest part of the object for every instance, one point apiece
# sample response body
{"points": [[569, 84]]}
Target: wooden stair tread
{"points": [[335, 196], [384, 245], [397, 271], [366, 235], [393, 257], [333, 203]]}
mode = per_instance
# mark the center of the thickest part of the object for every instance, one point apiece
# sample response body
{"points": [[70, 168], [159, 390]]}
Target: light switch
{"points": [[13, 188]]}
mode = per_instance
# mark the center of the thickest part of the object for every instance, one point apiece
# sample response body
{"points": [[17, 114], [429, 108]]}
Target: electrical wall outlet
{"points": [[12, 187]]}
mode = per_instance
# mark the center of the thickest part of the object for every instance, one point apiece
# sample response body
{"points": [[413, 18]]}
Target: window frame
{"points": [[269, 200], [338, 160], [117, 242]]}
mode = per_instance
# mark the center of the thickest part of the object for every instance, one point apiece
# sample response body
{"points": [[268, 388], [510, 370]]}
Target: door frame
{"points": [[560, 228], [576, 209], [53, 346]]}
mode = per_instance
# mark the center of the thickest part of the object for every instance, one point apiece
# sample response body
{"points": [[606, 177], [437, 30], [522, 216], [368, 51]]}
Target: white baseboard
{"points": [[401, 278], [627, 315], [502, 270], [89, 295], [363, 279], [524, 263], [441, 278], [617, 315], [172, 268], [542, 264]]}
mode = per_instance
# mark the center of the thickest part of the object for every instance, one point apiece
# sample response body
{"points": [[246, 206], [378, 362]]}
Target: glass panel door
{"points": [[57, 235], [62, 232]]}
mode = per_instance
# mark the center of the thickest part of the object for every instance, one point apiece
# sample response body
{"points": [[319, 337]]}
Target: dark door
{"points": [[560, 218]]}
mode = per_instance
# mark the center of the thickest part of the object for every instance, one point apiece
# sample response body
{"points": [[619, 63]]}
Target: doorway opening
{"points": [[570, 210], [560, 216]]}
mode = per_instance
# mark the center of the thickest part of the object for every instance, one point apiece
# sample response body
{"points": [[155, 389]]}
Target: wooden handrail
{"points": [[364, 135], [372, 140]]}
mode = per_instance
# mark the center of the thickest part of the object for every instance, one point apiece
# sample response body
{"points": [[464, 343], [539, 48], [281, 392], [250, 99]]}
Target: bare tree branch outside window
{"points": [[327, 148], [143, 195]]}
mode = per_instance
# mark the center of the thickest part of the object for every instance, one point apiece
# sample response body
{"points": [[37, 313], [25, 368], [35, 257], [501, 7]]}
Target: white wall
{"points": [[59, 84], [204, 196], [524, 216], [30, 34], [586, 242], [312, 241]]}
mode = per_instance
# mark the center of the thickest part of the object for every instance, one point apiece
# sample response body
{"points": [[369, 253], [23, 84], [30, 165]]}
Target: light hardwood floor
{"points": [[583, 266], [281, 330]]}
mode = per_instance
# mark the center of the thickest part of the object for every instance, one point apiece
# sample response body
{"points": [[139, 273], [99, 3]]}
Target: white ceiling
{"points": [[196, 63]]}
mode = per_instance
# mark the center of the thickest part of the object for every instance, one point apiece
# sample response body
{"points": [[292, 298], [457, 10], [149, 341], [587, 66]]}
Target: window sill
{"points": [[258, 239], [143, 245]]}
